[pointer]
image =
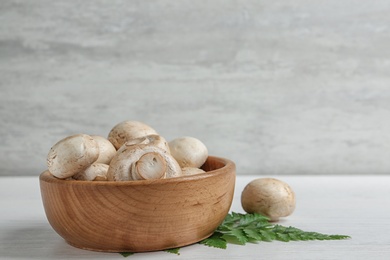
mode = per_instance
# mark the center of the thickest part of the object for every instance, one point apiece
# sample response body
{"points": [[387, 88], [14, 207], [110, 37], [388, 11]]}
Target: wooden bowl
{"points": [[139, 216]]}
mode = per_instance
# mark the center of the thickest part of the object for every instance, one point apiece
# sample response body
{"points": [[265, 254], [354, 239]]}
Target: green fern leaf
{"points": [[126, 254], [173, 250], [215, 240], [240, 229], [267, 235], [252, 234]]}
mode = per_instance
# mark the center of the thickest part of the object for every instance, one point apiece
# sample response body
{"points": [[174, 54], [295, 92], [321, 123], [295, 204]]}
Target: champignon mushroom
{"points": [[188, 151], [187, 171], [268, 196], [72, 155], [95, 172], [128, 130], [106, 149], [155, 140], [142, 162]]}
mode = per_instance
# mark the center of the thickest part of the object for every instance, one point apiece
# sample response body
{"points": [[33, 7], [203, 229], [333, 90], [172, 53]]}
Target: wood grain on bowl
{"points": [[140, 216]]}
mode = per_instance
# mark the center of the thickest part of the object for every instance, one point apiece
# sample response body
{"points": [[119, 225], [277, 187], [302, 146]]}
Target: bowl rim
{"points": [[46, 176]]}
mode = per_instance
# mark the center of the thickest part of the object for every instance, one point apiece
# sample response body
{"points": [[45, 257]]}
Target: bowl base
{"points": [[127, 250]]}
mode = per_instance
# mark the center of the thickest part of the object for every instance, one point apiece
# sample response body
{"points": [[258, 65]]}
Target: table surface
{"points": [[357, 206]]}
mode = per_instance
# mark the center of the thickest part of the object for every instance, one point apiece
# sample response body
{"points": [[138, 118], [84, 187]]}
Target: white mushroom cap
{"points": [[268, 196], [155, 140], [95, 172], [188, 151], [187, 171], [106, 149], [128, 130], [143, 161], [72, 155]]}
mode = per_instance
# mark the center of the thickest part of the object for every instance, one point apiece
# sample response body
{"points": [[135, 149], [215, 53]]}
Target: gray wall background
{"points": [[279, 87]]}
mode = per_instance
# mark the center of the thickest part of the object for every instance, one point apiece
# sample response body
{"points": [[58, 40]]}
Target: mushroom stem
{"points": [[124, 166], [149, 166]]}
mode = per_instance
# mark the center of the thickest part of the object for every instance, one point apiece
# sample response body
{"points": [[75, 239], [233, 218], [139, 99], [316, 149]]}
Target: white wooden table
{"points": [[358, 206]]}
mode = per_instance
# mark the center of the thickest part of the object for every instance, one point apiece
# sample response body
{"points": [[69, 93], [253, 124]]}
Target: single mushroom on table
{"points": [[268, 196], [72, 155]]}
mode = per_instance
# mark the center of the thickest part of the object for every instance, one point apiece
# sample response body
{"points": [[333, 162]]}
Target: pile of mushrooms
{"points": [[132, 151]]}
